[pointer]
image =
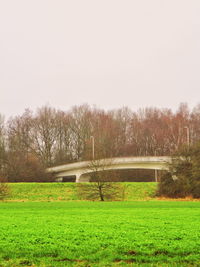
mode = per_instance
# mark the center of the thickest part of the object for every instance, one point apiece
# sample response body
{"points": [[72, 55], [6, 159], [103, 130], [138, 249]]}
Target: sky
{"points": [[107, 53]]}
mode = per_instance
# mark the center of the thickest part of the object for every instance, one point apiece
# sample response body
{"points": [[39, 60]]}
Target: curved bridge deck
{"points": [[80, 169]]}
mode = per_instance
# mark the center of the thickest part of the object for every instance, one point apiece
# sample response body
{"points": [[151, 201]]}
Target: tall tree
{"points": [[80, 125]]}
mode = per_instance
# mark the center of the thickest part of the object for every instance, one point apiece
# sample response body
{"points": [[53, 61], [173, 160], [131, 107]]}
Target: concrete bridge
{"points": [[81, 170]]}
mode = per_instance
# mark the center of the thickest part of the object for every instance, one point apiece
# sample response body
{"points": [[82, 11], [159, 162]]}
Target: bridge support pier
{"points": [[78, 178], [81, 178]]}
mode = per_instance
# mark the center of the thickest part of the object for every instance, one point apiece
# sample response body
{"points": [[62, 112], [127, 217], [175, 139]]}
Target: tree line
{"points": [[47, 137]]}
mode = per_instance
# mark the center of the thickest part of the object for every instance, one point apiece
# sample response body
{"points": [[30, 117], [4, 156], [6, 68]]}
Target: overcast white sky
{"points": [[110, 53]]}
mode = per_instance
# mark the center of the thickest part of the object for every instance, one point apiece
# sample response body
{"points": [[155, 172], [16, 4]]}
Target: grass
{"points": [[78, 233], [67, 191], [39, 228]]}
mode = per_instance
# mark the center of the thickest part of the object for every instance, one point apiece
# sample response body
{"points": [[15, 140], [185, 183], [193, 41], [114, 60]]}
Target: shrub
{"points": [[4, 189], [184, 177], [172, 187], [26, 168]]}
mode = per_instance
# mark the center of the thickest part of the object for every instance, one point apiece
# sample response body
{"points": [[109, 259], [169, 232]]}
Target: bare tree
{"points": [[23, 162], [63, 147], [44, 134], [80, 125], [103, 185]]}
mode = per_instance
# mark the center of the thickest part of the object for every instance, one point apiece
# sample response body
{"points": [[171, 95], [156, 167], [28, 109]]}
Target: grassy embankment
{"points": [[67, 191], [147, 233]]}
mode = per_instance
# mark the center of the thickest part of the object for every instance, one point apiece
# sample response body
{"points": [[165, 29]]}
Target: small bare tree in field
{"points": [[103, 185]]}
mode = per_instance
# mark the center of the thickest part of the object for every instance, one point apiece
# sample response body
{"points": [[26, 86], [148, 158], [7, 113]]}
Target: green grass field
{"points": [[67, 191], [82, 233]]}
